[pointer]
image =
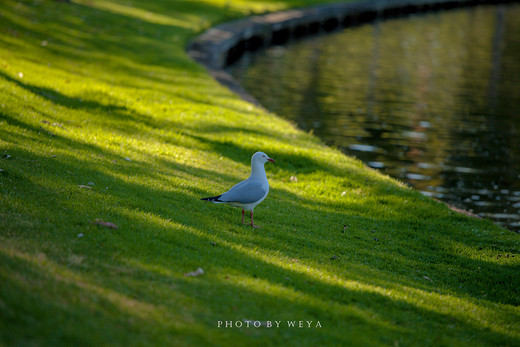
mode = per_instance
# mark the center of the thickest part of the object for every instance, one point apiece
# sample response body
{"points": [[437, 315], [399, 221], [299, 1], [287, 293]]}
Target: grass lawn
{"points": [[104, 117]]}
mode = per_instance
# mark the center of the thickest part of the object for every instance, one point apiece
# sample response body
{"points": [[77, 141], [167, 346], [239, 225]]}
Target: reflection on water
{"points": [[432, 100]]}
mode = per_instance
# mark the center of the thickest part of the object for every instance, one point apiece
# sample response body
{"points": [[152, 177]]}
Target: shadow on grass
{"points": [[64, 100], [385, 235], [136, 46], [164, 233], [240, 152], [237, 285]]}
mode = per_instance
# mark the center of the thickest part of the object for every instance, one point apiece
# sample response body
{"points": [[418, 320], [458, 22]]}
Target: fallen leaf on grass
{"points": [[53, 124], [195, 273], [47, 131], [105, 224]]}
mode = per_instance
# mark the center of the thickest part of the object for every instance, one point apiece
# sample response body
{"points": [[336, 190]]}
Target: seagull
{"points": [[249, 193]]}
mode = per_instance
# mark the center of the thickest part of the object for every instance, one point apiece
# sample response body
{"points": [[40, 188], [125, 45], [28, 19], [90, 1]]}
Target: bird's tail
{"points": [[213, 198]]}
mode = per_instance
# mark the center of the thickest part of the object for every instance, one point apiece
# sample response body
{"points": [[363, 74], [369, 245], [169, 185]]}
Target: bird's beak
{"points": [[271, 160]]}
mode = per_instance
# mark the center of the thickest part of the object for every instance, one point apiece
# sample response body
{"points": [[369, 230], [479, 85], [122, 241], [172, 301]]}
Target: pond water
{"points": [[432, 100]]}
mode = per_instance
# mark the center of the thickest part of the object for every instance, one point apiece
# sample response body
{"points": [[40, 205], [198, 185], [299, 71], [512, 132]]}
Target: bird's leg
{"points": [[242, 216], [254, 226]]}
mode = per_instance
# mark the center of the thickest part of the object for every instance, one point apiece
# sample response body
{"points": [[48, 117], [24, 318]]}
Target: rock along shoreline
{"points": [[224, 44]]}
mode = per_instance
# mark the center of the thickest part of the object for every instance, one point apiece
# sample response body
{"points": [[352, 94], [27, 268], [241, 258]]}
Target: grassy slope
{"points": [[87, 85]]}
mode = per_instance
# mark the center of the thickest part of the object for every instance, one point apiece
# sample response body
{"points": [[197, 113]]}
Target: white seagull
{"points": [[249, 193]]}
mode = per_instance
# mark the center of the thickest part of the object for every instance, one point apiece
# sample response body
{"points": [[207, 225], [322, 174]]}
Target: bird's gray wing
{"points": [[245, 192]]}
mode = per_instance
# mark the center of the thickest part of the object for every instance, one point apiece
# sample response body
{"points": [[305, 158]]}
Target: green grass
{"points": [[102, 93]]}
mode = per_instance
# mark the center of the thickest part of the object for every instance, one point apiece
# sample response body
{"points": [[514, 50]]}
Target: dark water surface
{"points": [[433, 100]]}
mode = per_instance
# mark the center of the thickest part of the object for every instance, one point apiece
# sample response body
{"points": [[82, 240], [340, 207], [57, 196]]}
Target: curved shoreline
{"points": [[224, 44]]}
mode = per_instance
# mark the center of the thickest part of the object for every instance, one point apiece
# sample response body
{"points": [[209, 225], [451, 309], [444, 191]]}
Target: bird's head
{"points": [[261, 157]]}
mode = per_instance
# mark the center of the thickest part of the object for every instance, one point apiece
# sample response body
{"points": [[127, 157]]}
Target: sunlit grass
{"points": [[103, 116]]}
